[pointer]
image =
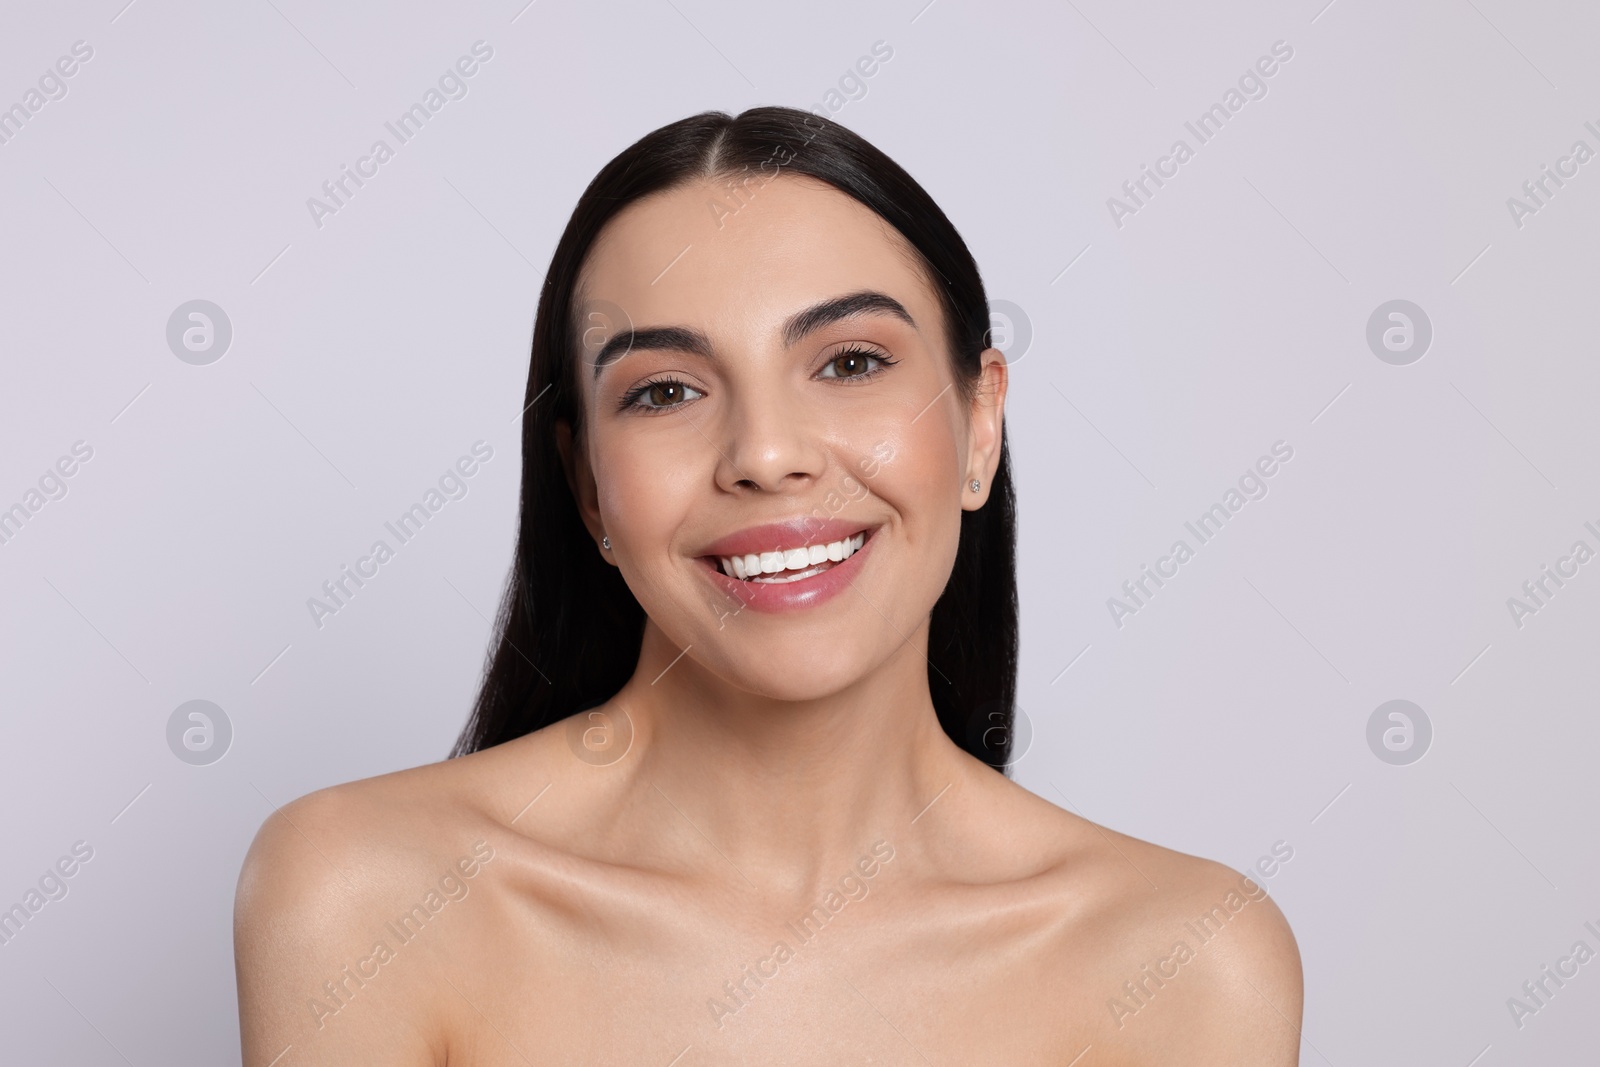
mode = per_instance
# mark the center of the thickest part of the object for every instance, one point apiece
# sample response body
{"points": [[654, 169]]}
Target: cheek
{"points": [[940, 460], [920, 481], [922, 469], [645, 490], [650, 480]]}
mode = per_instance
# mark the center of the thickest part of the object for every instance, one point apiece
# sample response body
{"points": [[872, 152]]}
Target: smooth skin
{"points": [[635, 870]]}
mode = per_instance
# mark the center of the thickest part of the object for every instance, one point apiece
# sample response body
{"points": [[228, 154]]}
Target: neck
{"points": [[786, 790]]}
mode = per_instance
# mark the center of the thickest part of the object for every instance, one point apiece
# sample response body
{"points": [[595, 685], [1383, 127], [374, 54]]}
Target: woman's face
{"points": [[787, 393]]}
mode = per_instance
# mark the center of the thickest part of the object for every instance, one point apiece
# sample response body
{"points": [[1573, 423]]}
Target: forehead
{"points": [[697, 255]]}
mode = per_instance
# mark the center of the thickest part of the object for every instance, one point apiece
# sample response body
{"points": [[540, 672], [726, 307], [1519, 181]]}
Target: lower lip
{"points": [[791, 596]]}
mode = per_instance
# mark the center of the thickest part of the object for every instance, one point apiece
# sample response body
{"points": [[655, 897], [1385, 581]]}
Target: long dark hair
{"points": [[568, 632]]}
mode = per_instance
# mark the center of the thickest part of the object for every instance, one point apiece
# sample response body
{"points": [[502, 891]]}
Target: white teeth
{"points": [[793, 576], [806, 561]]}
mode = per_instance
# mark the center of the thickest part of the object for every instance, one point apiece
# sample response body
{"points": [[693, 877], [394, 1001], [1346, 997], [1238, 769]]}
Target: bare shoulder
{"points": [[1183, 958], [1228, 935], [1200, 963], [333, 894]]}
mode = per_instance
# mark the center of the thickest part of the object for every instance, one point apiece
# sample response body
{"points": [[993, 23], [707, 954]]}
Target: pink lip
{"points": [[796, 595], [780, 536]]}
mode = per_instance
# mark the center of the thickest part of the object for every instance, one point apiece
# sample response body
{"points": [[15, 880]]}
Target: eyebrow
{"points": [[795, 327]]}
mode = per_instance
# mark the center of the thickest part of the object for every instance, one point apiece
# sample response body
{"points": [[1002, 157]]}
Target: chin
{"points": [[773, 671]]}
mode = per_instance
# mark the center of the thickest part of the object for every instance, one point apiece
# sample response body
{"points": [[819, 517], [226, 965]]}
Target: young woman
{"points": [[734, 789]]}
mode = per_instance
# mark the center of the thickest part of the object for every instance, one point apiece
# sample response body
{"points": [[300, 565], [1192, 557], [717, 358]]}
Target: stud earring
{"points": [[605, 543], [975, 484]]}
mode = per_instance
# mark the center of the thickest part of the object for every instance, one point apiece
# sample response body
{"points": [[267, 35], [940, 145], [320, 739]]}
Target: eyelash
{"points": [[856, 350], [631, 399]]}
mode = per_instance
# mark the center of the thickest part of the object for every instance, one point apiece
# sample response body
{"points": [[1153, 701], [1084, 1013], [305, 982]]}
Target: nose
{"points": [[770, 442]]}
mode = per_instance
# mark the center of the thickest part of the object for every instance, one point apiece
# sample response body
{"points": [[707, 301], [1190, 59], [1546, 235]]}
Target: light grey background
{"points": [[1228, 313]]}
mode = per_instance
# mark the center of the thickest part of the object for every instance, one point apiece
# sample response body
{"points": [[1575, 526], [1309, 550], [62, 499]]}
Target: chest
{"points": [[855, 983]]}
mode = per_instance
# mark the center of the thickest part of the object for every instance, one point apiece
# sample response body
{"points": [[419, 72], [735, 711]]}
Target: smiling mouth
{"points": [[790, 565]]}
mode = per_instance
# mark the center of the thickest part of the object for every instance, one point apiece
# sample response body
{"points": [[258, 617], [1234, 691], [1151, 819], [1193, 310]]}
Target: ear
{"points": [[580, 480], [985, 428]]}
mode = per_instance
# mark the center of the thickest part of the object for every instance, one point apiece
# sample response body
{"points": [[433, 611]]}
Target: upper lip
{"points": [[782, 536]]}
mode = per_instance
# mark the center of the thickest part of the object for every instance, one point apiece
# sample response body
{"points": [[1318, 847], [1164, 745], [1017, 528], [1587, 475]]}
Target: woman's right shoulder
{"points": [[305, 848], [325, 880], [336, 846], [335, 842]]}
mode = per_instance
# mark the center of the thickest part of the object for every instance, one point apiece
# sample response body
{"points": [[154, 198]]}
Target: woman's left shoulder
{"points": [[1247, 993], [1202, 952], [1234, 919]]}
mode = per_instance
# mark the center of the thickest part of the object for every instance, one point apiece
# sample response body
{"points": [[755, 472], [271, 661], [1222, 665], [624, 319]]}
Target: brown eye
{"points": [[853, 363], [665, 394], [848, 366], [661, 395]]}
